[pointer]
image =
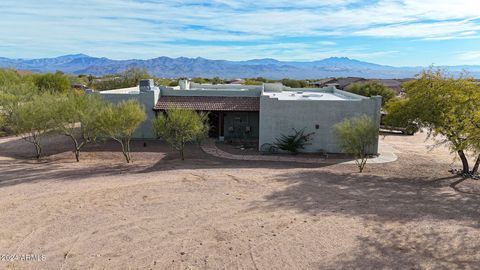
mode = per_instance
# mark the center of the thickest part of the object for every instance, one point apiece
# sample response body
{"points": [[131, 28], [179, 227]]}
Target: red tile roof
{"points": [[207, 103]]}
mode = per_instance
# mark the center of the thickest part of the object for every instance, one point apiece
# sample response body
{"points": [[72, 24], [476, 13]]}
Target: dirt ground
{"points": [[208, 213]]}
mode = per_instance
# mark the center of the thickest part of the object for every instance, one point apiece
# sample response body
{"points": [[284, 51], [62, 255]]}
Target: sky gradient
{"points": [[391, 32]]}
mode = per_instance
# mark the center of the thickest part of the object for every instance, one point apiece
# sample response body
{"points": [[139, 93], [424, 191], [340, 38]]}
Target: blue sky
{"points": [[393, 32]]}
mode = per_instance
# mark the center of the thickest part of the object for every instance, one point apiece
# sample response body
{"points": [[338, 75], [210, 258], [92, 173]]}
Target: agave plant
{"points": [[293, 143]]}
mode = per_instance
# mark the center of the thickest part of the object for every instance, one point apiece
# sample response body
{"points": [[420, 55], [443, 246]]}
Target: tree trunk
{"points": [[38, 149], [182, 147], [126, 150], [464, 159], [363, 162], [475, 167], [77, 155], [76, 145]]}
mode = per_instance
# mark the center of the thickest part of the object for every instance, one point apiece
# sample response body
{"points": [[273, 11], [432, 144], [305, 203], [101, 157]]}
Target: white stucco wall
{"points": [[280, 116]]}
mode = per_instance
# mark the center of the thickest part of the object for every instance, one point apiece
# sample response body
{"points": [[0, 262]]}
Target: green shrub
{"points": [[357, 136], [180, 126]]}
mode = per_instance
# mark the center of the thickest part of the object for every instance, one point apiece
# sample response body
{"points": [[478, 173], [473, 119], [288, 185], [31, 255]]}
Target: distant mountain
{"points": [[201, 67]]}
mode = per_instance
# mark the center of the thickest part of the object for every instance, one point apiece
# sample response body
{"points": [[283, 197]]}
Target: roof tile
{"points": [[209, 103]]}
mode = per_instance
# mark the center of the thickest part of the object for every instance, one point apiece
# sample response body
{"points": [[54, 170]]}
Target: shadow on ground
{"points": [[374, 197], [105, 159], [399, 214], [413, 247]]}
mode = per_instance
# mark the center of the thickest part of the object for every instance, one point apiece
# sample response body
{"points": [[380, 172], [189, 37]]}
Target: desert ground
{"points": [[210, 213]]}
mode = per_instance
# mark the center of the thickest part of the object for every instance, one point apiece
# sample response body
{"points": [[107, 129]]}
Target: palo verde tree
{"points": [[446, 107], [11, 96], [14, 90], [77, 117], [120, 121], [357, 136], [180, 126], [32, 119]]}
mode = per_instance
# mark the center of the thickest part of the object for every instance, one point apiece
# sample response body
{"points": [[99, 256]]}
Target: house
{"points": [[343, 83], [340, 83], [257, 113], [236, 81], [395, 85], [323, 82]]}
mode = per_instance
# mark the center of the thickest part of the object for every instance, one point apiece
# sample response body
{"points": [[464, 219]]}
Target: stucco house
{"points": [[255, 113]]}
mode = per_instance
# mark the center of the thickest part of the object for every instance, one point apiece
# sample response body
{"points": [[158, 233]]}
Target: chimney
{"points": [[146, 85], [184, 84]]}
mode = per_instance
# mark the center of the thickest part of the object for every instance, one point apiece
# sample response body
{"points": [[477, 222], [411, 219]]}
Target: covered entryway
{"points": [[230, 118]]}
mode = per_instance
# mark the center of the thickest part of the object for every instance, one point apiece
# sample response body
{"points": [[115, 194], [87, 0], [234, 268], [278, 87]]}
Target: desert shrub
{"points": [[52, 82], [357, 136]]}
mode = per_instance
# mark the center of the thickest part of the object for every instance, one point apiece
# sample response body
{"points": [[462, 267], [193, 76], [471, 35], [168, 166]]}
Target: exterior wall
{"points": [[280, 116], [147, 99], [236, 124]]}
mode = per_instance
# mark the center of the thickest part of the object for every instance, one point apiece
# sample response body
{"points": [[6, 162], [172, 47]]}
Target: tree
{"points": [[14, 90], [127, 78], [398, 115], [52, 82], [446, 107], [9, 76], [372, 88], [77, 117], [357, 136], [120, 121], [473, 136], [33, 118], [293, 143], [11, 96], [180, 126], [217, 80], [294, 83]]}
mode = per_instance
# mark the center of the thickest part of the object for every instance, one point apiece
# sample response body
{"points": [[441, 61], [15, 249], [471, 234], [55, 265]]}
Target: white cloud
{"points": [[470, 57], [225, 28], [423, 30]]}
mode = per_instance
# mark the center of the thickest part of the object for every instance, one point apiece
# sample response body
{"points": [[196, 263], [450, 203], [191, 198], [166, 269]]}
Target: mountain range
{"points": [[167, 67]]}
